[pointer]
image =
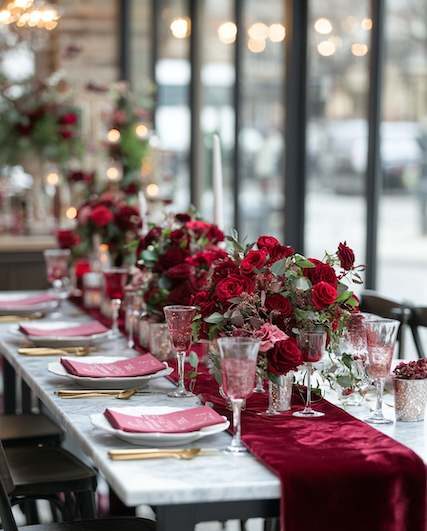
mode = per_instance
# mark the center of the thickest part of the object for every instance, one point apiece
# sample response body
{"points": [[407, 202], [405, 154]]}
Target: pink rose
{"points": [[269, 335]]}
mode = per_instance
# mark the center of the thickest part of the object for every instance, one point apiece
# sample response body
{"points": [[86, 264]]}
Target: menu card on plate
{"points": [[26, 302], [184, 421], [85, 329], [131, 367]]}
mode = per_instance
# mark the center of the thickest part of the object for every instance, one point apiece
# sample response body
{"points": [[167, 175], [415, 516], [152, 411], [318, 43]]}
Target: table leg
{"points": [[26, 398], [117, 507], [9, 388]]}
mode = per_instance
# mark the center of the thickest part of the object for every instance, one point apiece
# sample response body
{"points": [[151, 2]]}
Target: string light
{"points": [[258, 31], [323, 26], [276, 32], [359, 49], [326, 48], [227, 32], [31, 14], [113, 173], [256, 46], [152, 190], [180, 28], [366, 24], [141, 131], [71, 213], [113, 136], [52, 178]]}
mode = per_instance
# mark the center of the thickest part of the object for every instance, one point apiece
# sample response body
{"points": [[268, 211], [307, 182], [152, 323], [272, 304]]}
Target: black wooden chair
{"points": [[418, 320], [29, 429], [371, 302], [8, 489], [53, 474]]}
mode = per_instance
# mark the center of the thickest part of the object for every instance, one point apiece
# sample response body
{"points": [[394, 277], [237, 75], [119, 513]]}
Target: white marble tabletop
{"points": [[212, 478]]}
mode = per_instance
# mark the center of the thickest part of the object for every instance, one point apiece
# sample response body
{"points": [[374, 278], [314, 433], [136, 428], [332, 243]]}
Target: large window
{"points": [[338, 50]]}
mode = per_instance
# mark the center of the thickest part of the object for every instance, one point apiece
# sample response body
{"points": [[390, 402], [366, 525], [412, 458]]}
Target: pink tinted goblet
{"points": [[179, 320], [57, 271], [238, 367], [312, 345], [381, 334], [115, 280]]}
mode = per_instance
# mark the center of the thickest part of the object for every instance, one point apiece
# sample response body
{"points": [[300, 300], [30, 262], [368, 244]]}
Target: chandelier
{"points": [[30, 14]]}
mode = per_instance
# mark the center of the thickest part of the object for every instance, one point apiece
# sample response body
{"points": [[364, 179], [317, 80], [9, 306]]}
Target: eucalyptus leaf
{"points": [[193, 359], [214, 318], [278, 268]]}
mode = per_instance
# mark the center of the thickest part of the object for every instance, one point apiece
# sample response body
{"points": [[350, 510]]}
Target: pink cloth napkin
{"points": [[27, 302], [131, 367], [86, 329], [184, 421]]}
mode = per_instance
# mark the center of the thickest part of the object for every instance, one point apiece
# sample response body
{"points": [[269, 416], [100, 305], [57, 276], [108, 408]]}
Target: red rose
{"points": [[285, 356], [183, 217], [181, 294], [204, 301], [131, 188], [280, 251], [206, 258], [267, 242], [151, 236], [228, 288], [201, 228], [179, 271], [323, 295], [321, 272], [280, 304], [346, 256], [66, 133], [101, 216], [79, 176], [70, 118], [172, 257], [215, 234], [223, 269], [253, 260], [81, 267], [67, 239], [127, 218]]}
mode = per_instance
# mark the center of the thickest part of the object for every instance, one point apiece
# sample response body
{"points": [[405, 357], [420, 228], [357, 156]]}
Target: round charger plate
{"points": [[55, 367], [58, 341], [43, 307], [155, 439]]}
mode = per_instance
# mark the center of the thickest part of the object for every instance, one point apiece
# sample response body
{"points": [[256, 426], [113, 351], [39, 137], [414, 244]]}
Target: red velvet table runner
{"points": [[337, 473]]}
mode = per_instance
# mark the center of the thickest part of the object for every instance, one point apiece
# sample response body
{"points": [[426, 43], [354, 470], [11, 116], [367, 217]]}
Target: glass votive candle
{"points": [[92, 290], [160, 343]]}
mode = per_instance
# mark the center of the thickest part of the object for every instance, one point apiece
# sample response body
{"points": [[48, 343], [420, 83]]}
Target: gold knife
{"points": [[156, 453], [46, 351], [19, 318]]}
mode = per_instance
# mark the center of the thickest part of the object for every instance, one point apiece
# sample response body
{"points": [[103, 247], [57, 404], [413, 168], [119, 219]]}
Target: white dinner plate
{"points": [[107, 383], [58, 341], [155, 439], [44, 307]]}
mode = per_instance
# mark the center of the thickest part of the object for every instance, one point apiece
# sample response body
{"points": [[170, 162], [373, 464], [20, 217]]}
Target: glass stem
{"points": [[180, 356], [237, 408], [379, 384], [308, 399], [115, 303], [131, 342]]}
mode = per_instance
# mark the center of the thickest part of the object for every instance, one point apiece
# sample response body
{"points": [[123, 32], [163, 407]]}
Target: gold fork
{"points": [[46, 351], [154, 453], [120, 394], [19, 318]]}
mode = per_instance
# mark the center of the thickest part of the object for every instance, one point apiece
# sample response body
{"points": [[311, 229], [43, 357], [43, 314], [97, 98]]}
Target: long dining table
{"points": [[182, 493]]}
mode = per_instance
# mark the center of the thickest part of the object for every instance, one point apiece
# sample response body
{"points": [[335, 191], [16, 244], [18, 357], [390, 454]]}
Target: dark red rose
{"points": [[177, 235], [279, 252], [215, 234], [323, 295], [127, 218], [24, 129], [321, 273], [183, 217], [267, 242], [228, 288], [203, 229], [248, 283], [253, 260], [206, 258], [179, 271], [131, 188], [204, 301], [67, 239], [346, 256], [181, 294], [172, 257], [280, 304], [101, 216], [285, 356], [66, 133], [81, 267], [151, 236], [223, 269], [81, 176], [69, 118]]}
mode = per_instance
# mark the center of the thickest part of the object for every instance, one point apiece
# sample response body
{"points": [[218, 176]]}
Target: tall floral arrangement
{"points": [[175, 258], [268, 291], [38, 119]]}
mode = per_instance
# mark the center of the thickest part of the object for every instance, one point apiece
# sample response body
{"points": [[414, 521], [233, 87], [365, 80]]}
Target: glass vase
{"points": [[280, 394]]}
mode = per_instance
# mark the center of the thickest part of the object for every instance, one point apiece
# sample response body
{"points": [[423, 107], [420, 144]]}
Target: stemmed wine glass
{"points": [[179, 320], [238, 367], [115, 280], [382, 334], [312, 345], [57, 270]]}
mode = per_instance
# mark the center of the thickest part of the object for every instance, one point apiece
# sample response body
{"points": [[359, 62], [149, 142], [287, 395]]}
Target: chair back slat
{"points": [[419, 316], [6, 487], [371, 302]]}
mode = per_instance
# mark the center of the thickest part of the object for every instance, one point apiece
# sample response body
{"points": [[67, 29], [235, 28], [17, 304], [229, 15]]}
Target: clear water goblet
{"points": [[115, 279]]}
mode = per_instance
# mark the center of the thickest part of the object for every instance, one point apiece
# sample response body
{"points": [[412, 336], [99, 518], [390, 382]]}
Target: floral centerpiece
{"points": [[267, 290], [410, 390], [175, 259], [38, 120], [109, 220]]}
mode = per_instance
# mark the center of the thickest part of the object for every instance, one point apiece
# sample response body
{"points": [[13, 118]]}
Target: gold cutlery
{"points": [[121, 394], [46, 351], [19, 318], [155, 453]]}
